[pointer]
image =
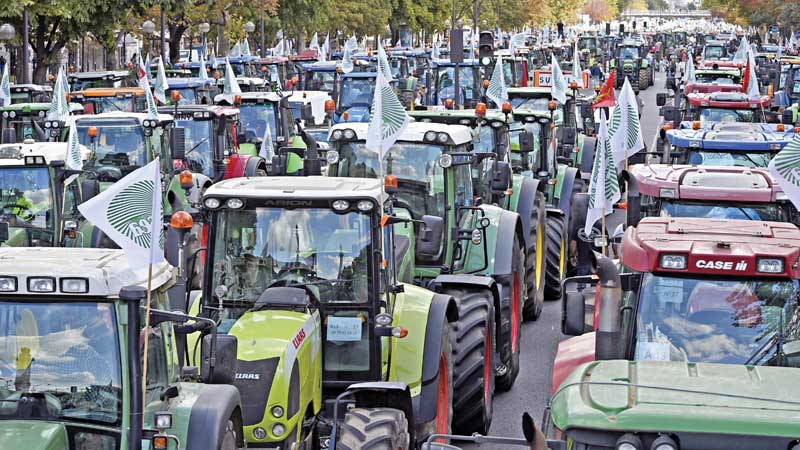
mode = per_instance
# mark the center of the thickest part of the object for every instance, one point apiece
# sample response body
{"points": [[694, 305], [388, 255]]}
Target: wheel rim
{"points": [[515, 313], [487, 365], [562, 262], [443, 405], [539, 254]]}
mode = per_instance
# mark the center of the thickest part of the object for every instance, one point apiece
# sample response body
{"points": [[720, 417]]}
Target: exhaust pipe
{"points": [[608, 343]]}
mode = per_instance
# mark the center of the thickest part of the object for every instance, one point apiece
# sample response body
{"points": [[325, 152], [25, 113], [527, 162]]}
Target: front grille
{"points": [[254, 381]]}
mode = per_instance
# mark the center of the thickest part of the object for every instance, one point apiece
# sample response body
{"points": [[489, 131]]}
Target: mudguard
{"points": [[253, 165], [587, 154], [215, 405], [564, 193], [443, 308], [523, 202]]}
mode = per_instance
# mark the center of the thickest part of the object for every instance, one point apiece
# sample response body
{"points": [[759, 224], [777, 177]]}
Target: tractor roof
{"points": [[533, 92], [710, 183], [737, 137], [728, 99], [14, 154], [740, 242], [322, 66], [107, 270], [99, 75], [215, 110], [456, 116], [308, 96], [298, 188], [120, 115], [109, 92], [258, 97], [185, 83], [273, 60], [17, 88], [38, 107], [414, 132], [630, 396]]}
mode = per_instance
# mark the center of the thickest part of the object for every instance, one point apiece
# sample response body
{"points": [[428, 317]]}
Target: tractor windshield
{"points": [[26, 205], [320, 81], [728, 115], [255, 117], [357, 92], [716, 78], [25, 125], [118, 149], [629, 52], [725, 320], [59, 361], [199, 140], [770, 212], [445, 85], [519, 159], [188, 96], [714, 52], [110, 104], [730, 158], [536, 105], [587, 44], [322, 249], [420, 177]]}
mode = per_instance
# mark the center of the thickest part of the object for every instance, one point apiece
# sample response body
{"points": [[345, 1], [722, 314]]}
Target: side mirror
{"points": [[787, 117], [669, 113], [661, 99], [525, 141], [224, 358], [307, 114], [586, 109], [9, 136], [177, 144], [501, 177], [573, 322], [90, 187], [568, 135], [430, 237], [671, 83]]}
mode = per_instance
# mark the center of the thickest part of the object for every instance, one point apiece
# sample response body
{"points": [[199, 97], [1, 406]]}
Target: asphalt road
{"points": [[540, 339]]}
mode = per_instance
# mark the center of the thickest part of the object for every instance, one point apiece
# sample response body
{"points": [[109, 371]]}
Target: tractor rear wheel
{"points": [[643, 83], [534, 260], [506, 380], [556, 256], [373, 429], [472, 338], [444, 388]]}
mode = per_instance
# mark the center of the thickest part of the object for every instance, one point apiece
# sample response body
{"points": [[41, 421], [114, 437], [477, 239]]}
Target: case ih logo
{"points": [[721, 265], [299, 337], [248, 376]]}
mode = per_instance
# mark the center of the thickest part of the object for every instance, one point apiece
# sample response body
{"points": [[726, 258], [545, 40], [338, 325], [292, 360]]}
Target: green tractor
{"points": [[630, 62], [480, 259], [491, 184], [73, 328], [335, 351], [23, 121]]}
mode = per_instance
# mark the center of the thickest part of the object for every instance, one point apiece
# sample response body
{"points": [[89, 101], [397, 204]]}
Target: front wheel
{"points": [[373, 429], [230, 438], [556, 256]]}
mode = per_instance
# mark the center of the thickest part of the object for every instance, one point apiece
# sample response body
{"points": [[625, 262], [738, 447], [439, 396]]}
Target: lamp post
{"points": [[263, 51], [163, 36], [249, 27], [6, 34], [204, 28], [148, 27]]}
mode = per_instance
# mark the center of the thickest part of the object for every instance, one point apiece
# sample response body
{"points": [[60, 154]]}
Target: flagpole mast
{"points": [[602, 231], [146, 332]]}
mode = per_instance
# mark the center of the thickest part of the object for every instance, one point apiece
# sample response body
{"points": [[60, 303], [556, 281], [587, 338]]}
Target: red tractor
{"points": [[688, 289]]}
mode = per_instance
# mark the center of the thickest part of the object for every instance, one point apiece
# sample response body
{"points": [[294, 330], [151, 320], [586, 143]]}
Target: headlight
{"points": [[336, 135], [442, 137], [41, 113], [332, 156], [42, 284], [277, 412], [694, 144], [278, 430], [445, 160], [212, 203], [774, 146], [770, 265], [12, 114], [628, 441], [365, 205], [340, 205], [430, 136], [234, 203], [383, 319], [349, 134], [163, 420], [477, 236], [8, 284], [677, 262], [666, 193], [259, 433], [74, 285]]}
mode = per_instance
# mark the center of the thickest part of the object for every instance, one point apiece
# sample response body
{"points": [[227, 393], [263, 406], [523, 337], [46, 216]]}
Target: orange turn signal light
{"points": [[551, 105], [390, 181], [780, 127], [159, 443], [181, 220], [448, 103], [92, 132], [330, 106], [696, 125], [346, 116], [485, 84], [480, 109], [176, 96], [506, 107], [186, 179], [237, 99]]}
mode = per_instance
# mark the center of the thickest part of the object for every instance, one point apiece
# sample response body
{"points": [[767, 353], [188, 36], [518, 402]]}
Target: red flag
{"points": [[605, 98]]}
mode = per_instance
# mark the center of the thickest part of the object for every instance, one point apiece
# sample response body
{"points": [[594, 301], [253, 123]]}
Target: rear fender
{"points": [[254, 165], [523, 201], [442, 309], [564, 192], [208, 407]]}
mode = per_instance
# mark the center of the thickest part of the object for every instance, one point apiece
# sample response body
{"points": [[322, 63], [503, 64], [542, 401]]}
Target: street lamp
{"points": [[204, 28], [6, 34], [249, 27], [148, 27]]}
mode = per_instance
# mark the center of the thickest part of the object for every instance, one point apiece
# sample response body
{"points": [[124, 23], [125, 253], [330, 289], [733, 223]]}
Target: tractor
{"points": [[100, 79], [455, 89], [335, 350], [74, 324], [630, 62], [30, 93], [430, 167], [26, 121], [106, 99], [717, 106]]}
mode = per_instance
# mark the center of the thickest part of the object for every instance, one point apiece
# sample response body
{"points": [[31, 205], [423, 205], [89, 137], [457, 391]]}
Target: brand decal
{"points": [[247, 376], [287, 202], [298, 338], [721, 265]]}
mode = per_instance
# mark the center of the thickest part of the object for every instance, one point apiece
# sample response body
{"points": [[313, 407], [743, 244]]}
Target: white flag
{"points": [[518, 40], [435, 50], [130, 214], [325, 49], [752, 79], [741, 52], [603, 185], [162, 85], [497, 90], [388, 118], [558, 89], [63, 74], [785, 169], [202, 74], [245, 48], [74, 158], [266, 144], [59, 108], [347, 57], [576, 65], [143, 81], [689, 75], [5, 87], [314, 42], [625, 131], [383, 63], [230, 88]]}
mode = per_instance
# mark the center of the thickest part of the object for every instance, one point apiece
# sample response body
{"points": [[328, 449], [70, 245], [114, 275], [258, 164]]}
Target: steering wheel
{"points": [[108, 173]]}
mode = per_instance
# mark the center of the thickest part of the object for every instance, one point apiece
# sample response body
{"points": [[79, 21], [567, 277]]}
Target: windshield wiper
{"points": [[764, 349], [198, 145]]}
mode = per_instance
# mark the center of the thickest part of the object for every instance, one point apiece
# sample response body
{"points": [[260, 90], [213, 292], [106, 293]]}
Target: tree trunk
{"points": [[175, 36]]}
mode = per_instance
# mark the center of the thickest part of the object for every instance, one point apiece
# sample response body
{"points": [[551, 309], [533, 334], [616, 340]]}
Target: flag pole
{"points": [[603, 230], [146, 333]]}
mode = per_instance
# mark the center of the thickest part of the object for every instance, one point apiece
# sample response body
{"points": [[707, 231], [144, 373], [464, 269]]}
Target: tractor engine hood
{"points": [[34, 435], [270, 342]]}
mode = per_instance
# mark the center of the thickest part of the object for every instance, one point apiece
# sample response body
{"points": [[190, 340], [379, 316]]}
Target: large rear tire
{"points": [[556, 256], [472, 338], [506, 380], [534, 260], [444, 390], [643, 83], [373, 429]]}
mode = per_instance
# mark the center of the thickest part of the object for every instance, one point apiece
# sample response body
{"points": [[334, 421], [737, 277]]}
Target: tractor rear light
{"points": [[74, 285], [8, 284], [673, 262], [182, 220], [770, 265], [41, 284], [666, 193], [160, 442]]}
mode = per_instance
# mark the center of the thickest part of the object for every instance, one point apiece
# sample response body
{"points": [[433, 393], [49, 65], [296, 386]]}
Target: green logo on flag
{"points": [[787, 162], [131, 211]]}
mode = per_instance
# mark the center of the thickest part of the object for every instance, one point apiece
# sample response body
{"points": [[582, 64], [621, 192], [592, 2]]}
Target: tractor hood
{"points": [[33, 435], [269, 342], [674, 397]]}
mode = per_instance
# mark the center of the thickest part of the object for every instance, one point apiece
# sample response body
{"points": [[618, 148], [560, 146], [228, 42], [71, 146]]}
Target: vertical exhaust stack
{"points": [[609, 336]]}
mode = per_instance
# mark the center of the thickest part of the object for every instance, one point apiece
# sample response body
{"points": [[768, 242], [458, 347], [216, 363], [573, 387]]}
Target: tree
{"points": [[600, 10]]}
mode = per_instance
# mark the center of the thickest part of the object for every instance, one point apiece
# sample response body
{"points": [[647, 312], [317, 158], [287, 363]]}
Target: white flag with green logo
{"points": [[497, 90], [74, 158], [130, 214], [5, 87], [558, 89], [785, 169], [603, 184], [387, 119], [162, 85], [152, 109], [625, 130], [59, 108], [347, 57], [63, 75], [202, 74], [230, 88], [383, 63]]}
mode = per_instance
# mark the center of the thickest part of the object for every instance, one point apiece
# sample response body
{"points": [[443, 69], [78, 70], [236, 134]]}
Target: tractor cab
{"points": [[75, 328], [589, 46], [322, 76], [275, 70], [722, 107], [30, 93], [35, 205], [728, 144], [27, 121], [787, 91], [192, 69], [715, 80], [356, 90], [728, 192], [100, 79], [103, 100], [213, 148], [259, 110], [515, 69], [331, 342], [444, 83], [243, 66], [715, 54], [192, 91]]}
